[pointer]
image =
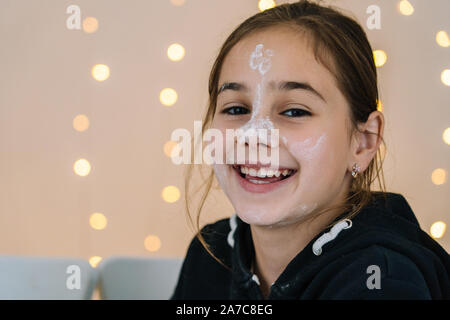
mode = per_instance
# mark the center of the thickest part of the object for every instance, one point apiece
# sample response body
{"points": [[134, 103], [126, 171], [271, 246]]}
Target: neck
{"points": [[275, 247]]}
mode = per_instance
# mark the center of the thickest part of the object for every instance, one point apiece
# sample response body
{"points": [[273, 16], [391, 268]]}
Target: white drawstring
{"points": [[328, 236], [233, 225], [256, 279]]}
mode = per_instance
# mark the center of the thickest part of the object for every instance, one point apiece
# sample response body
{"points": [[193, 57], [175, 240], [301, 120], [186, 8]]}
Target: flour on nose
{"points": [[250, 129], [257, 100], [260, 60]]}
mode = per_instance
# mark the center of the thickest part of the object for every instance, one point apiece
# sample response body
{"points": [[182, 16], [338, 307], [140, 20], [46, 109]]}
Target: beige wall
{"points": [[45, 82]]}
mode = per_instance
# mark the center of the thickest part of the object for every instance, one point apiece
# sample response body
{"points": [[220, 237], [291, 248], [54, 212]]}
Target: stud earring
{"points": [[355, 170]]}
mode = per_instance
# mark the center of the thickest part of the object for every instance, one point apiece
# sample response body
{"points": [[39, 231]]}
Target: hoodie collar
{"points": [[320, 251], [387, 221], [245, 284]]}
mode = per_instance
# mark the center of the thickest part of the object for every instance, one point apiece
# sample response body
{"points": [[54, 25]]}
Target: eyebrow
{"points": [[282, 85]]}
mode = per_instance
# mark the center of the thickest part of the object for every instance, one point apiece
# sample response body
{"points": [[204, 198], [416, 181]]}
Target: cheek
{"points": [[217, 125], [309, 150], [316, 156], [220, 170], [319, 158]]}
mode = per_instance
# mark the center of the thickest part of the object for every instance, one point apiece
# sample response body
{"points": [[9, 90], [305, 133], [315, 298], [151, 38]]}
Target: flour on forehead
{"points": [[260, 59]]}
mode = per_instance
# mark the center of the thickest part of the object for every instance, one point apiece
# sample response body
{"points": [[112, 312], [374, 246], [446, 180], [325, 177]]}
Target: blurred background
{"points": [[90, 92]]}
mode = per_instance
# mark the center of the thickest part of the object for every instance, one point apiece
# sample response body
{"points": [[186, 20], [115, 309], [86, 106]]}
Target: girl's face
{"points": [[280, 85]]}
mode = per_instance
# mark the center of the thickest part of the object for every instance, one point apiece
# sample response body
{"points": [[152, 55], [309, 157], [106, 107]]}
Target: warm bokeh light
{"points": [[94, 261], [446, 136], [380, 57], [439, 176], [100, 72], [82, 167], [168, 96], [152, 243], [177, 2], [380, 106], [90, 25], [405, 8], [266, 4], [175, 52], [170, 194], [437, 229], [445, 77], [169, 148], [98, 221], [442, 39], [81, 122]]}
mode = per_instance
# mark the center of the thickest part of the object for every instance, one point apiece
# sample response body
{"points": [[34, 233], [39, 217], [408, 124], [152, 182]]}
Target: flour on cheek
{"points": [[307, 150], [305, 209]]}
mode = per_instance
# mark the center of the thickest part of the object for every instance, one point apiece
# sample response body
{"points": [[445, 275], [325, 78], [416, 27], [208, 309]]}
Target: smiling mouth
{"points": [[263, 175]]}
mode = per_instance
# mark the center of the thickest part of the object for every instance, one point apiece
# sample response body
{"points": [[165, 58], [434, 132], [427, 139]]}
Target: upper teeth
{"points": [[264, 172]]}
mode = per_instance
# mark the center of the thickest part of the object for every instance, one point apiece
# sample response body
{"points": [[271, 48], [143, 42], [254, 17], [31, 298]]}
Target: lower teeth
{"points": [[258, 181]]}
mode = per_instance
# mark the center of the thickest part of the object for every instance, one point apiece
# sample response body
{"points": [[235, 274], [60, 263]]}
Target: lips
{"points": [[259, 179]]}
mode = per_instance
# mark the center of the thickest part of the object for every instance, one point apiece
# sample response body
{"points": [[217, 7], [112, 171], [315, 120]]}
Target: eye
{"points": [[294, 112], [235, 110]]}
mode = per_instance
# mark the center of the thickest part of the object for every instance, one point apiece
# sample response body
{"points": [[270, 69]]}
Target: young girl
{"points": [[309, 227]]}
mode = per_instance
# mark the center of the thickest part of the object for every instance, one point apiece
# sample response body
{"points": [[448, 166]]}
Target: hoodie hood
{"points": [[385, 233]]}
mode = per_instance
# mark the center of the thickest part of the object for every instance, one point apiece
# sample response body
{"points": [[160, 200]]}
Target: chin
{"points": [[269, 216], [259, 215]]}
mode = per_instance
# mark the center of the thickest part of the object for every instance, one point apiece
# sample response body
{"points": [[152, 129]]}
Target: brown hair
{"points": [[335, 37]]}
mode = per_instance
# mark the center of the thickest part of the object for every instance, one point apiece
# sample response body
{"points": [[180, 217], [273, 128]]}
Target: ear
{"points": [[366, 142]]}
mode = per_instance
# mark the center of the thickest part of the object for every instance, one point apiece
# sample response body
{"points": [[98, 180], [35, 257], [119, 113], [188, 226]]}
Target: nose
{"points": [[254, 135]]}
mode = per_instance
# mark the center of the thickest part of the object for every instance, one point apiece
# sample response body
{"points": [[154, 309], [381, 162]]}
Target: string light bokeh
{"points": [[87, 116]]}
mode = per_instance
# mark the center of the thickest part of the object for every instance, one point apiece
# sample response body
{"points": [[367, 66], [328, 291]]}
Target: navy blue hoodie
{"points": [[382, 253]]}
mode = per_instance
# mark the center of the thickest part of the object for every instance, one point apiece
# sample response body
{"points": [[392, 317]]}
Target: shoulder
{"points": [[377, 272], [215, 237], [202, 276], [217, 232]]}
